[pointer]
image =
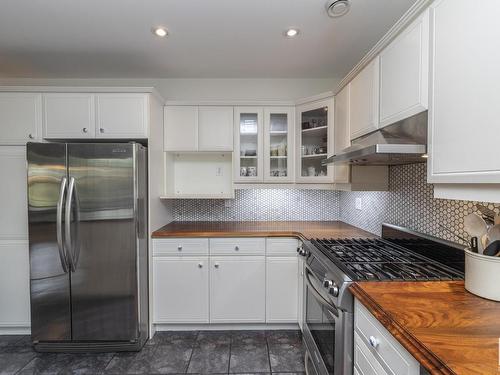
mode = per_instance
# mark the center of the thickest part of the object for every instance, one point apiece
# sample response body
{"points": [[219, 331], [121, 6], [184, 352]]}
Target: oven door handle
{"points": [[330, 308]]}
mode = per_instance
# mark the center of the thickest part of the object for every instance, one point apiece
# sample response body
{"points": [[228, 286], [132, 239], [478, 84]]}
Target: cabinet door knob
{"points": [[200, 265], [179, 248], [373, 341], [85, 130], [216, 265], [101, 130], [236, 248], [30, 136]]}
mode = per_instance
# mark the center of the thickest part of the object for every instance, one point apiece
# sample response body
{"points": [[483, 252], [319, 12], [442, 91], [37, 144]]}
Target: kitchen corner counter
{"points": [[447, 329], [302, 229]]}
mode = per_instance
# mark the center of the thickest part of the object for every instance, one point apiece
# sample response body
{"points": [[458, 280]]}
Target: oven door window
{"points": [[321, 324]]}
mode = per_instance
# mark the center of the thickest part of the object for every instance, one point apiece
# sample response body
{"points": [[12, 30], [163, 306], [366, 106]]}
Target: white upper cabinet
{"points": [[215, 128], [364, 100], [89, 115], [278, 144], [404, 73], [68, 115], [193, 128], [464, 113], [314, 141], [342, 137], [181, 128], [248, 147], [122, 115], [20, 117]]}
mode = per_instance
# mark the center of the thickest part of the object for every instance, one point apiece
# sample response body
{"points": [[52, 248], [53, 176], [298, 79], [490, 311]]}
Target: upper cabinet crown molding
{"points": [[86, 89]]}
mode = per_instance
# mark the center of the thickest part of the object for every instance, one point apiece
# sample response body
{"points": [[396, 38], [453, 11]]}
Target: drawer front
{"points": [[364, 361], [281, 246], [384, 347], [237, 246], [180, 246]]}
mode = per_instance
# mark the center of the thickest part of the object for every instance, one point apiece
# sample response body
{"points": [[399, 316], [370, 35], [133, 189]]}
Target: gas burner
{"points": [[379, 259]]}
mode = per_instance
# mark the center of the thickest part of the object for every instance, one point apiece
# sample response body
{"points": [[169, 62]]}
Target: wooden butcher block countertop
{"points": [[303, 229], [447, 329]]}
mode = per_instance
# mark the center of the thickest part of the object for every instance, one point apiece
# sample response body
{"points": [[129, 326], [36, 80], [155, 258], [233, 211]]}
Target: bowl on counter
{"points": [[482, 275]]}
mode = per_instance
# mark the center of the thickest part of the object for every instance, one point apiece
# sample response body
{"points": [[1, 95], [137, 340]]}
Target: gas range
{"points": [[331, 265]]}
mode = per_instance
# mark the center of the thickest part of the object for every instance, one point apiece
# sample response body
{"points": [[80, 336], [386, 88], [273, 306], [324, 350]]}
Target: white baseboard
{"points": [[223, 327], [15, 330]]}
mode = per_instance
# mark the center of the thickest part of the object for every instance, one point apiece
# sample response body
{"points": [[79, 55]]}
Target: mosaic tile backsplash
{"points": [[262, 205], [410, 203]]}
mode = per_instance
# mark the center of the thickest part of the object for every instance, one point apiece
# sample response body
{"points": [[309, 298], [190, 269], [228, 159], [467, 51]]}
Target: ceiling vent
{"points": [[337, 8]]}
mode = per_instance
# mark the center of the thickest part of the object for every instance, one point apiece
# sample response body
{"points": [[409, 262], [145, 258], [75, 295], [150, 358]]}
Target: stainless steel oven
{"points": [[327, 325]]}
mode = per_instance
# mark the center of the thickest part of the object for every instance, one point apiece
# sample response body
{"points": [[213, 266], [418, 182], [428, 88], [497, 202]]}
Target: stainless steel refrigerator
{"points": [[87, 208]]}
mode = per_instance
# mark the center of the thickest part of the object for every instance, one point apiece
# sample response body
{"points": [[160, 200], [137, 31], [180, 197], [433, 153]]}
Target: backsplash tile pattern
{"points": [[262, 205], [410, 203]]}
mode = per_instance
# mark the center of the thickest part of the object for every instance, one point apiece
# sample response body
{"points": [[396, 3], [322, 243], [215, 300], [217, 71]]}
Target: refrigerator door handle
{"points": [[72, 253], [59, 214]]}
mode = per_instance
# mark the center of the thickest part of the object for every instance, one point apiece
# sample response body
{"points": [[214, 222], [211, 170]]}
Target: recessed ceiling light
{"points": [[291, 32], [337, 8], [159, 31]]}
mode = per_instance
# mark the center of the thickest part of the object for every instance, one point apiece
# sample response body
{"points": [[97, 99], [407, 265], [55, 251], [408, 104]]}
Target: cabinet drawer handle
{"points": [[216, 265], [30, 136], [101, 130], [200, 265], [373, 341], [179, 248], [236, 248], [85, 130]]}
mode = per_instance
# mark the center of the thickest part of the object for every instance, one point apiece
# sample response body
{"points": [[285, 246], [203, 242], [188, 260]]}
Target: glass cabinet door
{"points": [[248, 144], [315, 122], [278, 144]]}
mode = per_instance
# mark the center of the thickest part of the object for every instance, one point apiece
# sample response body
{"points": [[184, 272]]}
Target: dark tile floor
{"points": [[193, 352]]}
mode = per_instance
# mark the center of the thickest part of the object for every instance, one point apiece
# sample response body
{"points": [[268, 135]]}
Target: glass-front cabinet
{"points": [[248, 147], [278, 144], [314, 141]]}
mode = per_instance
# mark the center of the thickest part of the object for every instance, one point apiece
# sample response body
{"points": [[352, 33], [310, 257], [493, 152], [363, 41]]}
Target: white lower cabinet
{"points": [[14, 285], [238, 289], [180, 289], [281, 289], [376, 351], [226, 281]]}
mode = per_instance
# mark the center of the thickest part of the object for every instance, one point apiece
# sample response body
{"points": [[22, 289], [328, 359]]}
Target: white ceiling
{"points": [[208, 38]]}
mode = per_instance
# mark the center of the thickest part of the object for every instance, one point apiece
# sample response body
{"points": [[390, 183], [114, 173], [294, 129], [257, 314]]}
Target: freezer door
{"points": [[101, 237], [49, 277]]}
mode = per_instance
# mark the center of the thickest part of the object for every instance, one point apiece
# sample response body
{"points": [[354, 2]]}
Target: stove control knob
{"points": [[301, 251], [333, 290], [327, 283]]}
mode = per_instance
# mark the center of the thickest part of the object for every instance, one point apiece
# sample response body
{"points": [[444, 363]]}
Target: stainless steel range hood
{"points": [[404, 142]]}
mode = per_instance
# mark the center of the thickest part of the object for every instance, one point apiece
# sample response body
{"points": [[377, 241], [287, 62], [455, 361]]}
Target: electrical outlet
{"points": [[359, 203], [228, 203], [218, 171]]}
